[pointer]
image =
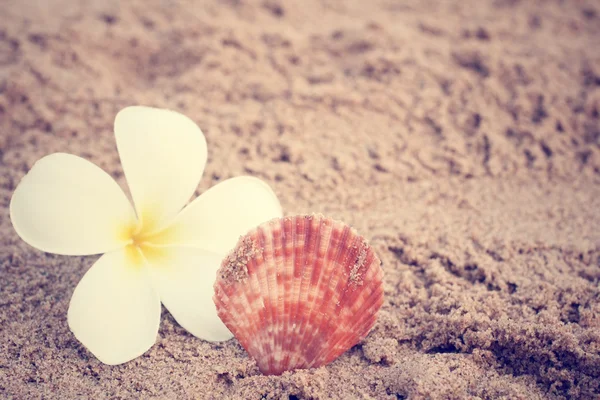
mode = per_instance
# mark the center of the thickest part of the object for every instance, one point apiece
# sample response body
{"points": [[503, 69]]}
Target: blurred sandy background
{"points": [[461, 138]]}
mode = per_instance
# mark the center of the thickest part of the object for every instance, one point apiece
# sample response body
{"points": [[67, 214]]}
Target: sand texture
{"points": [[462, 139]]}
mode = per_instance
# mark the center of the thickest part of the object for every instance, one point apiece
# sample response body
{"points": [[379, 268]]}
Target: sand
{"points": [[462, 139]]}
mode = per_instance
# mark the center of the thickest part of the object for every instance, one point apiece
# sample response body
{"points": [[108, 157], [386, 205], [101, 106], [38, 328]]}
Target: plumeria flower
{"points": [[154, 251]]}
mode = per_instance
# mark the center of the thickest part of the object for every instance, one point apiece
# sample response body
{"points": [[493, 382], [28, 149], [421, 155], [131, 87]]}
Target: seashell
{"points": [[299, 291]]}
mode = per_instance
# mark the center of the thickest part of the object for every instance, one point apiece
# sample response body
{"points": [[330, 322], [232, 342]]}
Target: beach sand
{"points": [[462, 139]]}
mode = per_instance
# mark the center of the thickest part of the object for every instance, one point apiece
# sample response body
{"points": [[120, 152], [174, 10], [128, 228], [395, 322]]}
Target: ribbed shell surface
{"points": [[299, 291]]}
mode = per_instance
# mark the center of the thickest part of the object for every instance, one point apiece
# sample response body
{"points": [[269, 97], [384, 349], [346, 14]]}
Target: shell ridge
{"points": [[221, 297], [320, 337], [230, 284], [362, 262], [271, 273], [251, 295], [330, 301], [257, 308], [373, 272], [350, 292], [355, 276], [351, 337], [278, 263], [373, 300], [271, 268], [303, 301], [223, 288], [299, 264], [350, 288], [265, 336], [298, 226], [309, 272], [288, 248], [351, 296]]}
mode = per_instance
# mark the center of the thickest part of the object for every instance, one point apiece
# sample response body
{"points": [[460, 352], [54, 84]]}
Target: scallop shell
{"points": [[299, 291]]}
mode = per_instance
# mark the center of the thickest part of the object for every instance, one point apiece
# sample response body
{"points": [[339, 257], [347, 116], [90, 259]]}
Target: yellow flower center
{"points": [[144, 243]]}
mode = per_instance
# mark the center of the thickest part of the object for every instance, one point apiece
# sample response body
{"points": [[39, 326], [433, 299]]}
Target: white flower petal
{"points": [[163, 155], [114, 310], [184, 278], [217, 218], [67, 205]]}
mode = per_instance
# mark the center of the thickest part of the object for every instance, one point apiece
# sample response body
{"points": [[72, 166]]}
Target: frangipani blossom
{"points": [[154, 251]]}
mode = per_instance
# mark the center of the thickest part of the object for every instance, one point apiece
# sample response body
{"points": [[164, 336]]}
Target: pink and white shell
{"points": [[299, 291]]}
